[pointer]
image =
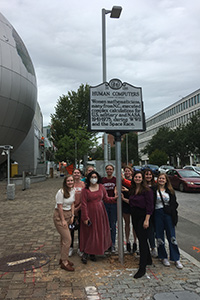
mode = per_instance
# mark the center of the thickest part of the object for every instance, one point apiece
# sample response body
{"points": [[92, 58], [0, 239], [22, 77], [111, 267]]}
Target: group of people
{"points": [[90, 203]]}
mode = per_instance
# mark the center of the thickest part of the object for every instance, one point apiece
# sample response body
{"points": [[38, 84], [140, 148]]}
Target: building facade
{"points": [[173, 116]]}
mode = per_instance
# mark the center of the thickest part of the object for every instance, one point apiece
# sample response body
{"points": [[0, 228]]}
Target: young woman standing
{"points": [[78, 186], [149, 180], [95, 236], [63, 216], [165, 196], [128, 173], [141, 203], [109, 183]]}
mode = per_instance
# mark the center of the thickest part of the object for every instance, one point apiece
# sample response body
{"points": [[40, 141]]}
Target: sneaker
{"points": [[165, 262], [154, 253], [71, 250], [128, 247], [134, 247], [113, 249], [79, 252], [178, 264]]}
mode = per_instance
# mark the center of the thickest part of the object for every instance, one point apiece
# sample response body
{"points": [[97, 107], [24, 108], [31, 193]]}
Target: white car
{"points": [[165, 168], [194, 168]]}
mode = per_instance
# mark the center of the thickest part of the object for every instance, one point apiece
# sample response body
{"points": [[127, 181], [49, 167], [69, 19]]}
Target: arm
{"points": [[84, 210], [60, 210], [124, 199], [146, 221], [105, 196], [126, 182]]}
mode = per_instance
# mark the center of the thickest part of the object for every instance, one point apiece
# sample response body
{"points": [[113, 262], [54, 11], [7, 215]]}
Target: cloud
{"points": [[154, 44]]}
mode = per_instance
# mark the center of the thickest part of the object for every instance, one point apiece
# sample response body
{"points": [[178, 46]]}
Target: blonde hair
{"points": [[167, 184]]}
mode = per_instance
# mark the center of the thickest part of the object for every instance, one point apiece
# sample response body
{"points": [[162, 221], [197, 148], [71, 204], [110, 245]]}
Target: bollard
{"points": [[23, 181], [28, 183], [11, 191]]}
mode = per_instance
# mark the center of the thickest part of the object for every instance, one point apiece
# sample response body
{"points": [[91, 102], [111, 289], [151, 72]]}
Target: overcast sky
{"points": [[154, 45]]}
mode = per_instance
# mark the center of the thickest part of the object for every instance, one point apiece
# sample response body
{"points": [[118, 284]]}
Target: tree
{"points": [[193, 133], [158, 157], [69, 126]]}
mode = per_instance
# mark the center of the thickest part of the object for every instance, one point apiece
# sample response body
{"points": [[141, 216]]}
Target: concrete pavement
{"points": [[27, 227]]}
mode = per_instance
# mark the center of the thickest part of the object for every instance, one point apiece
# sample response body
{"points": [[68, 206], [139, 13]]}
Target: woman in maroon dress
{"points": [[95, 236]]}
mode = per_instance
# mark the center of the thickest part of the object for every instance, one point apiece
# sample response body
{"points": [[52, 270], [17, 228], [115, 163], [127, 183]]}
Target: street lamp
{"points": [[114, 13]]}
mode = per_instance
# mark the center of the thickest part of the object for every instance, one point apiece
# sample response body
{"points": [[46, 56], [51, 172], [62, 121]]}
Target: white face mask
{"points": [[93, 180]]}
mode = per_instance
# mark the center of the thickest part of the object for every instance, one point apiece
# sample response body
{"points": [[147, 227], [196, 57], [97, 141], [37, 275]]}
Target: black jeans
{"points": [[138, 217]]}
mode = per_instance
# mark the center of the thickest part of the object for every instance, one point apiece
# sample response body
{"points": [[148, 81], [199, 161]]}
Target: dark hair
{"points": [[109, 165], [143, 186], [167, 184], [152, 180], [66, 189], [89, 176]]}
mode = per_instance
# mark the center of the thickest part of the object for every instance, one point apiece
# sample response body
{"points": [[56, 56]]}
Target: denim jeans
{"points": [[112, 217], [163, 223]]}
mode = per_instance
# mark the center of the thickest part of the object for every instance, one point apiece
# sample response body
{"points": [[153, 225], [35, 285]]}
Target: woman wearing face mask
{"points": [[95, 236]]}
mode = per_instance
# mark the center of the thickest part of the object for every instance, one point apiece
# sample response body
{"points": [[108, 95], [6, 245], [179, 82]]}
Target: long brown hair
{"points": [[143, 186], [66, 189], [167, 184]]}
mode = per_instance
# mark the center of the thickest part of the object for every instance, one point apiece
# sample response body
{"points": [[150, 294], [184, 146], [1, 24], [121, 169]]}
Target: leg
{"points": [[159, 228], [171, 237]]}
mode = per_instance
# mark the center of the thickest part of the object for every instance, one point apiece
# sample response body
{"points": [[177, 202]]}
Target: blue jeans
{"points": [[163, 223], [112, 217]]}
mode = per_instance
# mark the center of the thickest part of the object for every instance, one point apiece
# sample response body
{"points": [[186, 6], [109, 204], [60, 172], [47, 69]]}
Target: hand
{"points": [[86, 222], [124, 189], [146, 224], [71, 220], [64, 223]]}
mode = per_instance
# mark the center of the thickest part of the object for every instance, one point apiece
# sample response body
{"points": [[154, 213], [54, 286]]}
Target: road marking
{"points": [[18, 262]]}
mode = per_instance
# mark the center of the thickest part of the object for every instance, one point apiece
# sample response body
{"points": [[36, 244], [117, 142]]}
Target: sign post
{"points": [[117, 108]]}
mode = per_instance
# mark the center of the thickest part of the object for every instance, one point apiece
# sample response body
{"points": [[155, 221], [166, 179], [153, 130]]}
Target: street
{"points": [[188, 228]]}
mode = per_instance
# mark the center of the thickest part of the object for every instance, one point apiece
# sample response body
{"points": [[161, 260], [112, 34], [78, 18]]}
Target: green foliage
{"points": [[158, 157], [69, 126]]}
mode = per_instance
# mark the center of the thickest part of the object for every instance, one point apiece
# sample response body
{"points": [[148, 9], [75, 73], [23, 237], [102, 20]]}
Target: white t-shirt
{"points": [[66, 202], [159, 203]]}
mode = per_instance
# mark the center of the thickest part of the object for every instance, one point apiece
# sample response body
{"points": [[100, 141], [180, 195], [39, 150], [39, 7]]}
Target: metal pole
{"points": [[8, 153], [119, 200], [104, 78], [127, 149]]}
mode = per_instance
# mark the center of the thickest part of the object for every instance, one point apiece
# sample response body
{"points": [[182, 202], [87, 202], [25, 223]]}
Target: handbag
{"points": [[169, 210]]}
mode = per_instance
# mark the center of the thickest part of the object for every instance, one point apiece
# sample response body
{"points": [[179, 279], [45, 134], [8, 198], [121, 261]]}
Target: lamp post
{"points": [[114, 13]]}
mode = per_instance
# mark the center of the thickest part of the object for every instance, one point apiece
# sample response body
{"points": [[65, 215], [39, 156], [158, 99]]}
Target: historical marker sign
{"points": [[116, 106]]}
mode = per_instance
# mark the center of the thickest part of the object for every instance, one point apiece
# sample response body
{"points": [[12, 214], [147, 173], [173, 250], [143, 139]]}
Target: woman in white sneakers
{"points": [[165, 203]]}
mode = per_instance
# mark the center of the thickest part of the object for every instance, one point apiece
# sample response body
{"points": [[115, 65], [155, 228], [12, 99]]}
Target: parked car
{"points": [[184, 180], [194, 168], [137, 168], [165, 168], [154, 168]]}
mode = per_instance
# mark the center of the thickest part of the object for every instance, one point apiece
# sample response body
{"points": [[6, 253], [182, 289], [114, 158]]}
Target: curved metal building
{"points": [[18, 87]]}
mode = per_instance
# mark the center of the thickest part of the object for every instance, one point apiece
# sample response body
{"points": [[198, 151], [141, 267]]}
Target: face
{"points": [[70, 182], [138, 178], [148, 176], [76, 174], [127, 173], [93, 179], [109, 170], [162, 180], [90, 169]]}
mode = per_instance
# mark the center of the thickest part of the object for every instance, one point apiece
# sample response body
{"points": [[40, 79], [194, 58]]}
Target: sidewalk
{"points": [[27, 227]]}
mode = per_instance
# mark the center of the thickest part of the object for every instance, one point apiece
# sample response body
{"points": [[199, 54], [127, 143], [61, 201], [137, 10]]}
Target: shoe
{"points": [[134, 247], [84, 258], [71, 250], [178, 264], [113, 249], [128, 247], [69, 262], [140, 273], [79, 253], [154, 253], [67, 267], [165, 262], [93, 257]]}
